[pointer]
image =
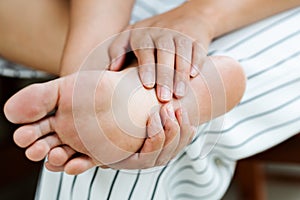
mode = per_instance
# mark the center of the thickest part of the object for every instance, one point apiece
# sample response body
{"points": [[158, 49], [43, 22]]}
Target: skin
{"points": [[72, 122], [186, 31], [51, 20], [175, 42], [22, 25], [85, 28], [71, 23]]}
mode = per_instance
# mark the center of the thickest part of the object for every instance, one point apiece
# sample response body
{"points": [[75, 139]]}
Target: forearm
{"points": [[91, 22], [33, 32], [225, 16]]}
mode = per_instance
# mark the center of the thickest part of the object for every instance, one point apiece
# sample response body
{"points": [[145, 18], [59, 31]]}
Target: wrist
{"points": [[209, 13]]}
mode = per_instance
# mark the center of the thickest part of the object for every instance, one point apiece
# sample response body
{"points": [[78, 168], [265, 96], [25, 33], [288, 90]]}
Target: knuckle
{"points": [[165, 66], [182, 69], [160, 140], [144, 42], [164, 80], [184, 49], [147, 67], [141, 44], [165, 70], [182, 77], [183, 64], [183, 42], [173, 127], [145, 56], [161, 137], [165, 43], [176, 130]]}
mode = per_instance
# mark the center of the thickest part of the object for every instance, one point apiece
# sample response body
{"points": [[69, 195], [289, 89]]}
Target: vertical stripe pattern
{"points": [[268, 114]]}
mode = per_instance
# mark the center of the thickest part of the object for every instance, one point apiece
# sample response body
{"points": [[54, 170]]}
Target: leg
{"points": [[62, 122], [49, 16], [33, 32]]}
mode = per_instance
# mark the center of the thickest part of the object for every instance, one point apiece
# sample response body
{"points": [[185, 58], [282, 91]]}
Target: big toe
{"points": [[32, 103]]}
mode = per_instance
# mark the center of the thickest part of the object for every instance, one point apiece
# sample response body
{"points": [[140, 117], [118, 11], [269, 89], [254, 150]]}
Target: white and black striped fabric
{"points": [[268, 114], [9, 69]]}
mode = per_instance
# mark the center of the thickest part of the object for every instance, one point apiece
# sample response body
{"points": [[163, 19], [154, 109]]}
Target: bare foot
{"points": [[76, 120], [90, 119], [163, 142]]}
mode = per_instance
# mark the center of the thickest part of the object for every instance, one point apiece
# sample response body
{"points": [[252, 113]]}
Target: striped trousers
{"points": [[268, 114]]}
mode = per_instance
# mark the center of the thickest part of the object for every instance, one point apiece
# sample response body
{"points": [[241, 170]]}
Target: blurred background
{"points": [[273, 174], [18, 176]]}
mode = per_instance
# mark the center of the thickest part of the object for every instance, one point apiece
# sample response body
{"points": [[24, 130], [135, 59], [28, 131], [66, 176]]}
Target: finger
{"points": [[118, 50], [198, 56], [165, 67], [150, 151], [183, 64], [146, 67], [58, 156], [79, 165], [187, 131], [143, 48], [172, 133], [38, 150]]}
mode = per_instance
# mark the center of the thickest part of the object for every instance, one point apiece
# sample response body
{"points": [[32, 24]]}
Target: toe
{"points": [[58, 156], [79, 165], [28, 134], [38, 150], [25, 136], [32, 103], [54, 168]]}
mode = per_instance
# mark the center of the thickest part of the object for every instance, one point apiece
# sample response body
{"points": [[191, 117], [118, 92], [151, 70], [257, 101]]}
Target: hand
{"points": [[168, 132], [175, 40]]}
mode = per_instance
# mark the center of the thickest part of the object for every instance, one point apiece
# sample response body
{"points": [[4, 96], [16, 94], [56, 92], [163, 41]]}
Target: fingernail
{"points": [[165, 93], [185, 117], [194, 71], [115, 64], [156, 125], [180, 89], [170, 111], [147, 79]]}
